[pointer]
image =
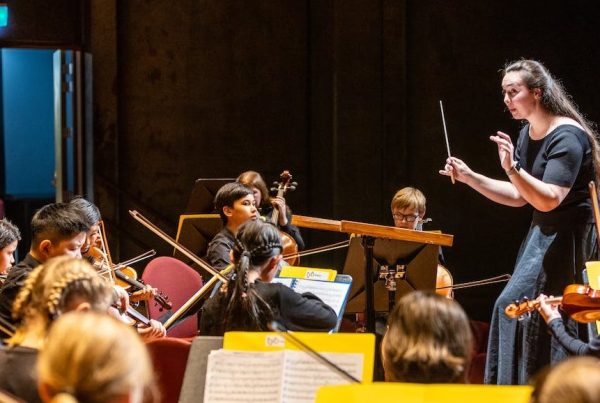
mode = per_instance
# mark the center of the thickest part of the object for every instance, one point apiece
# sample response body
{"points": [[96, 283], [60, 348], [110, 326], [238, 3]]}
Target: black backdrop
{"points": [[344, 93]]}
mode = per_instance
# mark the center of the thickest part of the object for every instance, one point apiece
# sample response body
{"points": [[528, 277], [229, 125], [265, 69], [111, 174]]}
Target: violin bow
{"points": [[185, 251]]}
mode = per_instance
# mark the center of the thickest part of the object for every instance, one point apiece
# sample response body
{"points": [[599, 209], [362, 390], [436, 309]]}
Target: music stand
{"points": [[195, 231], [370, 233], [202, 198], [415, 264]]}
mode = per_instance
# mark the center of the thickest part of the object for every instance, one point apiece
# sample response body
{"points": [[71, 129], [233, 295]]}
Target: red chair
{"points": [[169, 356], [179, 282], [480, 331]]}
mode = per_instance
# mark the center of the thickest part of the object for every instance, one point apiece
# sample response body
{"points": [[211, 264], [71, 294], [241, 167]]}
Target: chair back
{"points": [[179, 282], [169, 356]]}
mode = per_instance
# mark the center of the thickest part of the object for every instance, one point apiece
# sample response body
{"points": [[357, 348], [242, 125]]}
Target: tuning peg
{"points": [[294, 184], [273, 189], [291, 188], [525, 316]]}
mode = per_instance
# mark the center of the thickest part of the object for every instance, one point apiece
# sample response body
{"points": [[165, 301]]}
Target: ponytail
{"points": [[256, 243]]}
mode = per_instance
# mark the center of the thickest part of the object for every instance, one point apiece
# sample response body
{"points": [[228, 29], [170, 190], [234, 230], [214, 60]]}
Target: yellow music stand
{"points": [[593, 275], [423, 393]]}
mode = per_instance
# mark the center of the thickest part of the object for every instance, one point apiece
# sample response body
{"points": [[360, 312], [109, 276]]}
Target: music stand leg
{"points": [[368, 242]]}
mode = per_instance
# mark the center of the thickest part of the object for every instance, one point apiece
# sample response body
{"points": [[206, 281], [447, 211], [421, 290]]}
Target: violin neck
{"points": [[124, 277], [138, 316], [275, 215]]}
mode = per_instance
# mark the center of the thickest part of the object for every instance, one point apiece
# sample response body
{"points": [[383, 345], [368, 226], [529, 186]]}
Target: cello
{"points": [[289, 245]]}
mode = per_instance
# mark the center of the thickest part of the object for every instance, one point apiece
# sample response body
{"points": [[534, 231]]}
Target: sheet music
{"points": [[332, 293], [303, 375], [241, 376]]}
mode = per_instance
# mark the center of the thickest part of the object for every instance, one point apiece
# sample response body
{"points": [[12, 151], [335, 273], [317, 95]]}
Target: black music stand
{"points": [[202, 198], [195, 232], [415, 263]]}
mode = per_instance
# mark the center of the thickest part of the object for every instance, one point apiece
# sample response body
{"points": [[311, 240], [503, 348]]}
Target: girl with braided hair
{"points": [[93, 358], [60, 285], [249, 302]]}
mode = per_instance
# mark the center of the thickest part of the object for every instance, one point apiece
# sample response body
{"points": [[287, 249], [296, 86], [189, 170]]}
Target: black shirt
{"points": [[218, 250], [11, 287], [571, 344], [299, 312], [18, 374], [563, 158]]}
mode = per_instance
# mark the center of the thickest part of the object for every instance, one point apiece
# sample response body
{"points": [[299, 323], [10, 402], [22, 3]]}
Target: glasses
{"points": [[406, 217]]}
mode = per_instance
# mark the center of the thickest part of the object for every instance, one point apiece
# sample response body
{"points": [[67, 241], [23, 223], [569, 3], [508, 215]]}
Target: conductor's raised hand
{"points": [[457, 168], [506, 149]]}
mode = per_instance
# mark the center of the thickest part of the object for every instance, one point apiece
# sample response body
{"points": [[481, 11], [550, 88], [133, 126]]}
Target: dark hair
{"points": [[56, 222], [88, 209], [256, 242], [428, 340], [8, 233], [555, 99], [228, 194], [254, 179]]}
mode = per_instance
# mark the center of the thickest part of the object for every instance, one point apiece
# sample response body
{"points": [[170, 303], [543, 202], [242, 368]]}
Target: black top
{"points": [[299, 312], [18, 374], [218, 250], [563, 158], [11, 287], [573, 345]]}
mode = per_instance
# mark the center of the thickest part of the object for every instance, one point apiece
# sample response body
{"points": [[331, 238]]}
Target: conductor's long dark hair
{"points": [[556, 100], [256, 242]]}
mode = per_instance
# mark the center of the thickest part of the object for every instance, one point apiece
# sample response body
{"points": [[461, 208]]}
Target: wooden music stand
{"points": [[417, 250]]}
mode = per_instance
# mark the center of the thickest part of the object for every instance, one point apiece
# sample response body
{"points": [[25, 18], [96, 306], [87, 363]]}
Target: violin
{"points": [[289, 245], [100, 263], [580, 302], [125, 276], [159, 298]]}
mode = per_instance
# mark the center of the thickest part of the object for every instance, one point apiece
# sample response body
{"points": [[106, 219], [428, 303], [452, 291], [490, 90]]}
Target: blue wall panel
{"points": [[27, 97]]}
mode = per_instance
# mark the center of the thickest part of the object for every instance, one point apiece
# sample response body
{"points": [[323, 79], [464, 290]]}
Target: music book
{"points": [[593, 275], [330, 287], [264, 367]]}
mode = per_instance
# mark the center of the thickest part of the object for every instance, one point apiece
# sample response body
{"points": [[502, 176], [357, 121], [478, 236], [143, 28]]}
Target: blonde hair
{"points": [[91, 357], [428, 340], [50, 289], [576, 380], [409, 198]]}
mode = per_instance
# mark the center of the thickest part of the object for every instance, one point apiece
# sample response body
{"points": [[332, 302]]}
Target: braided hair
{"points": [[255, 244], [49, 291]]}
